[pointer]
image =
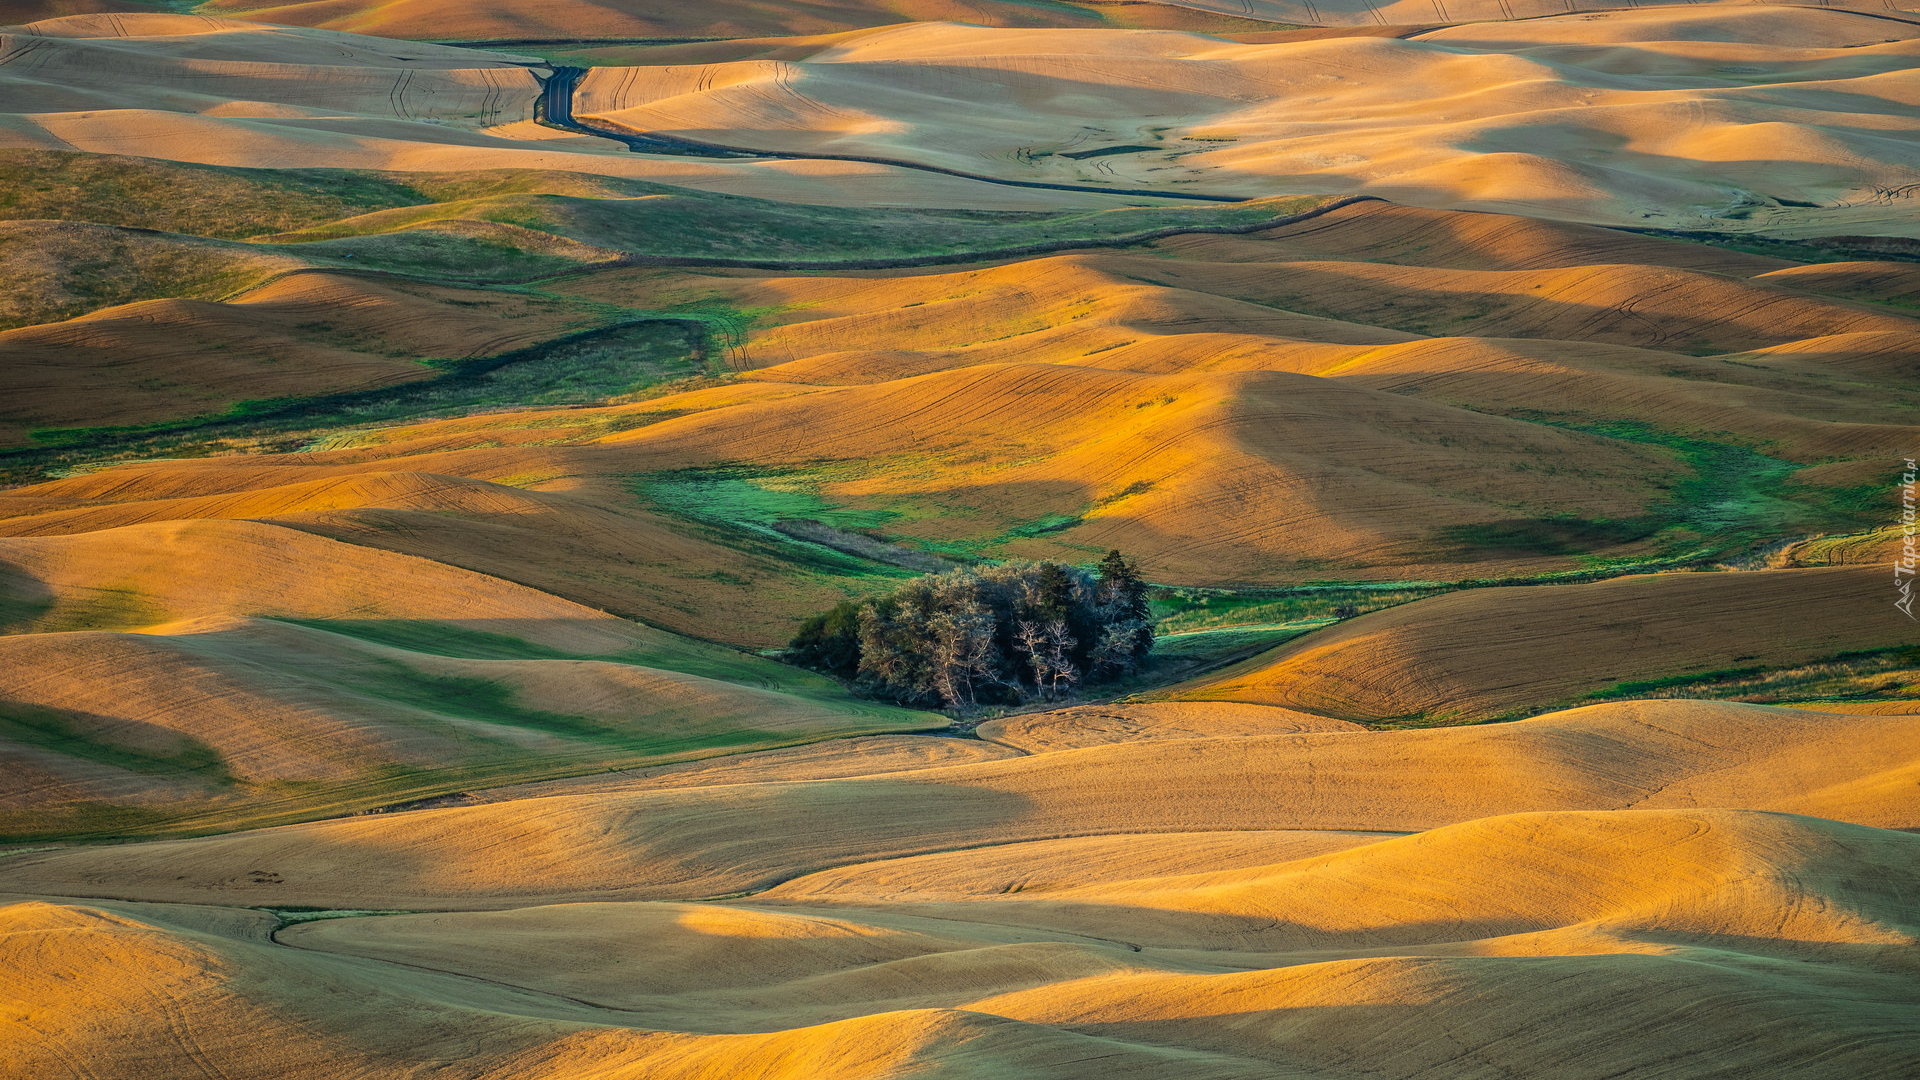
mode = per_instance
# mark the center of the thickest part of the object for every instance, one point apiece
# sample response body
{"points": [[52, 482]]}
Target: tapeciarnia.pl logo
{"points": [[1903, 568]]}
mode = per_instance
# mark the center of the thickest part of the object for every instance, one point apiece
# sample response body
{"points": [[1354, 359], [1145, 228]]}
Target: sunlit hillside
{"points": [[557, 540]]}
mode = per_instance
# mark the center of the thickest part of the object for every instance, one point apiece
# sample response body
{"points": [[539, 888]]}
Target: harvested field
{"points": [[1484, 653], [424, 429], [638, 844], [1615, 126], [1139, 932]]}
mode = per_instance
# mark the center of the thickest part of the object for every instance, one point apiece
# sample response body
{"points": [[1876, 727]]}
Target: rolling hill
{"points": [[1480, 654], [1727, 129], [1232, 951], [422, 425], [293, 676], [1471, 396], [641, 844]]}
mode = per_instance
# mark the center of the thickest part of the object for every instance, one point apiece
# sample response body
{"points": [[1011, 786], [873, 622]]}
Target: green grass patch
{"points": [[202, 200], [1734, 493], [654, 219], [1188, 654], [1051, 523], [751, 499], [1857, 507], [740, 508], [1732, 499], [1877, 675], [446, 254], [743, 505], [620, 361], [291, 916], [758, 497], [1179, 611], [1816, 250]]}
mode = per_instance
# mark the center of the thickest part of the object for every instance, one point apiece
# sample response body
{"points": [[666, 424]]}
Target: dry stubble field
{"points": [[405, 501]]}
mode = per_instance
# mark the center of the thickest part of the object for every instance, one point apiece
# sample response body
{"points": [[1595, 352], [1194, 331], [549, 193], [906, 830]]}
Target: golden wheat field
{"points": [[961, 539]]}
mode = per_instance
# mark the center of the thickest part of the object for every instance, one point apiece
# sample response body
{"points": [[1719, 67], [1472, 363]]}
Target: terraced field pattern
{"points": [[425, 427]]}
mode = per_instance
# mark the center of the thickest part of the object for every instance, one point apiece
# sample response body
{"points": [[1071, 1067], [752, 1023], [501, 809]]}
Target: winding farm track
{"points": [[556, 110]]}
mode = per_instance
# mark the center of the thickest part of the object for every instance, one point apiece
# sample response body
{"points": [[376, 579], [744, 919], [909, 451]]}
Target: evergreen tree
{"points": [[1120, 584], [1126, 619], [830, 641]]}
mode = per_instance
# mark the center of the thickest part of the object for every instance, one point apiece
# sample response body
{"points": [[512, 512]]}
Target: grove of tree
{"points": [[991, 635]]}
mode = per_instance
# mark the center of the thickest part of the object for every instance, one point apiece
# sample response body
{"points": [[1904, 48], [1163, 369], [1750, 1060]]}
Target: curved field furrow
{"points": [[416, 492]]}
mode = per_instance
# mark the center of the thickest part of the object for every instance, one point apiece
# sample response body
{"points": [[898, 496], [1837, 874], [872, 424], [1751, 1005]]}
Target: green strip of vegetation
{"points": [[1189, 610], [741, 506], [624, 360], [296, 208], [1877, 675], [290, 916], [200, 200], [1734, 499], [1816, 250]]}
